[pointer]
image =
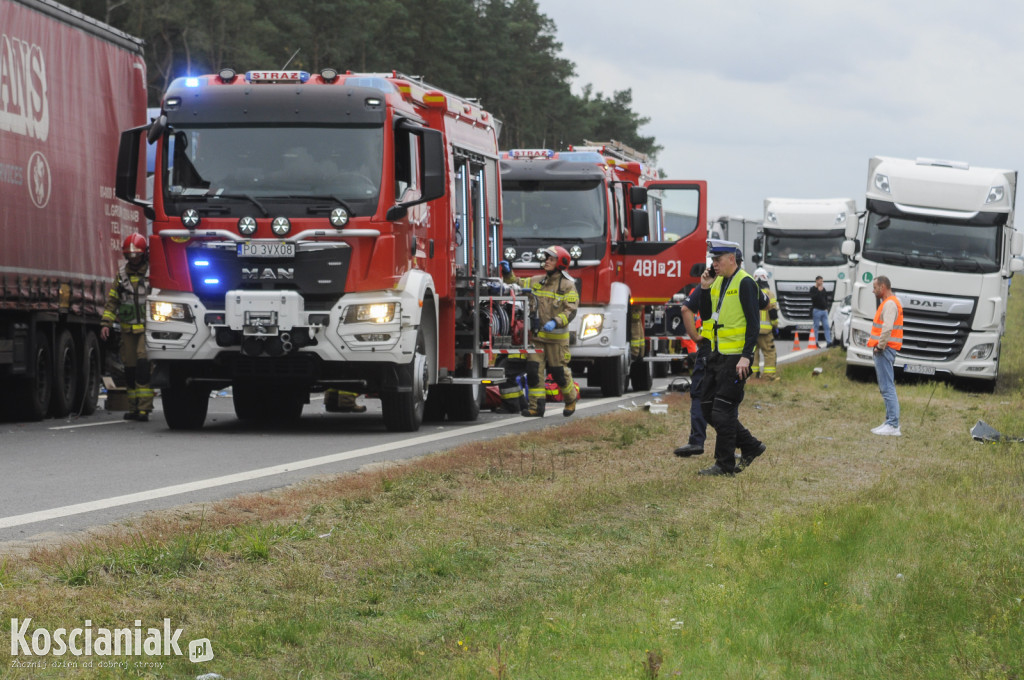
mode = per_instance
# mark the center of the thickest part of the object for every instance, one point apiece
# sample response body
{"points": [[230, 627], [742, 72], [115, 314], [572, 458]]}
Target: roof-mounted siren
{"points": [[329, 75], [227, 75]]}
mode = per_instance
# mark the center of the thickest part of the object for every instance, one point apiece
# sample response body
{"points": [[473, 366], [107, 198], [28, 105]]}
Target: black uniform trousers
{"points": [[720, 403]]}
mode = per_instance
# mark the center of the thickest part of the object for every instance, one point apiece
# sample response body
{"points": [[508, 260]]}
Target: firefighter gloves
{"points": [[506, 267], [550, 325]]}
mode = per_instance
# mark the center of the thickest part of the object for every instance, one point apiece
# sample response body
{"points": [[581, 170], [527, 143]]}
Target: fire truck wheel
{"points": [[640, 375], [88, 393], [403, 410], [614, 376], [185, 406], [65, 375]]}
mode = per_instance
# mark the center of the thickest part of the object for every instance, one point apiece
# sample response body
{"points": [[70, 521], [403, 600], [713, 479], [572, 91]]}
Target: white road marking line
{"points": [[199, 485], [105, 422]]}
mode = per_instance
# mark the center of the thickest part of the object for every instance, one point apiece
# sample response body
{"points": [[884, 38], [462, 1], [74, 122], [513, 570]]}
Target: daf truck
{"points": [[942, 232]]}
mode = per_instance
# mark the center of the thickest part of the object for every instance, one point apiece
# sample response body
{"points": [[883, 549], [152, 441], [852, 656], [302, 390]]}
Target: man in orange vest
{"points": [[887, 339]]}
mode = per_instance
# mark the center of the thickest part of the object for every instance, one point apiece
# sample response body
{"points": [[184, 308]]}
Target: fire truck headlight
{"points": [[591, 326], [840, 218], [859, 338], [882, 183], [281, 226], [380, 312], [995, 194], [510, 253], [169, 311], [339, 218], [576, 252], [979, 352]]}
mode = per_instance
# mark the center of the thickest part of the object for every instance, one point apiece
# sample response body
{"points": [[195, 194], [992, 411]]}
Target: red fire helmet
{"points": [[134, 243], [561, 255]]}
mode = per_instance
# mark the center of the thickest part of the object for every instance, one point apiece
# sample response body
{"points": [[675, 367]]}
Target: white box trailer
{"points": [[801, 240], [942, 232]]}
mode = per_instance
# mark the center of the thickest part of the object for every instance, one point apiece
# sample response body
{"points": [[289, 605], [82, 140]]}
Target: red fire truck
{"points": [[318, 230], [636, 241], [68, 86]]}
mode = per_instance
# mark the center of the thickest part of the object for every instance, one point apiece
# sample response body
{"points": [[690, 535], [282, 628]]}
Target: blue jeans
{"points": [[887, 385], [820, 316]]}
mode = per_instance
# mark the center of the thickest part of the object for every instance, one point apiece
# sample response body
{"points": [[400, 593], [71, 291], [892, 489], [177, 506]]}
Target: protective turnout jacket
{"points": [[126, 302], [554, 297]]}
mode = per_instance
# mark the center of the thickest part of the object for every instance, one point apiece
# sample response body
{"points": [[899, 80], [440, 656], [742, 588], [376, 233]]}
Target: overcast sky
{"points": [[790, 98]]}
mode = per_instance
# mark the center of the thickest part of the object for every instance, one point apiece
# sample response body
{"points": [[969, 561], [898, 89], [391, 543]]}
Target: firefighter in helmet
{"points": [[126, 304], [552, 306]]}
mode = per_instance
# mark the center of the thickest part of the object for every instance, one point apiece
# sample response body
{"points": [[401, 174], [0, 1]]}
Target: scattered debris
{"points": [[983, 432]]}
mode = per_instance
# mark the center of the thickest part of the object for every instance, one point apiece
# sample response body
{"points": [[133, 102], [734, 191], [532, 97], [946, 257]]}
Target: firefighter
{"points": [[340, 401], [769, 329], [126, 304], [552, 307]]}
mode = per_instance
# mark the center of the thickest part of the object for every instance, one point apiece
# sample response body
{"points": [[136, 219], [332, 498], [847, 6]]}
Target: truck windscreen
{"points": [[553, 210], [803, 249], [929, 244], [268, 163]]}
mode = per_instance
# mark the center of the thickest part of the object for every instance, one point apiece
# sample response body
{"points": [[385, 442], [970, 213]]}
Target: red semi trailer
{"points": [[68, 86]]}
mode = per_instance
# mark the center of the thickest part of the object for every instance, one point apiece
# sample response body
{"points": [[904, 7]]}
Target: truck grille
{"points": [[795, 306], [933, 337]]}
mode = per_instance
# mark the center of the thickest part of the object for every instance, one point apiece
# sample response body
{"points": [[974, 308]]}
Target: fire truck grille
{"points": [[933, 337]]}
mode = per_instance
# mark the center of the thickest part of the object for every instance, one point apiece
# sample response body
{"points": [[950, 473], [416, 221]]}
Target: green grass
{"points": [[589, 551]]}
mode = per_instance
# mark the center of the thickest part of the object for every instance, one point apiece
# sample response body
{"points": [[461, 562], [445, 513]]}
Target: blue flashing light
{"points": [[202, 263], [191, 82], [211, 282]]}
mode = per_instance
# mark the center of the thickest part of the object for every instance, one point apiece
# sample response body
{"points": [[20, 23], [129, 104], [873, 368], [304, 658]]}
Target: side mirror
{"points": [[639, 224], [127, 181], [1016, 265], [1017, 243], [849, 248], [638, 195], [432, 162], [157, 129], [756, 257]]}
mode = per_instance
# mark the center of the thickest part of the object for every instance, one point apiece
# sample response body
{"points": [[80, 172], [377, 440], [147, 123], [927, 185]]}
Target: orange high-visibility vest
{"points": [[896, 337]]}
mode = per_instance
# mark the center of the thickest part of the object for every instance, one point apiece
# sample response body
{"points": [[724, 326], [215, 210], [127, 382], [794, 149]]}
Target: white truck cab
{"points": [[942, 232]]}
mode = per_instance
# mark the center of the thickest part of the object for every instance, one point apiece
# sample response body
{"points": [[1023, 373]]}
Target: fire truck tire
{"points": [[640, 375], [614, 376], [403, 410], [65, 375], [87, 395], [185, 406], [31, 395]]}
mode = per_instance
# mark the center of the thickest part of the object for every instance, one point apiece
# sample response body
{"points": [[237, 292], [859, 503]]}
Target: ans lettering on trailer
{"points": [[24, 100]]}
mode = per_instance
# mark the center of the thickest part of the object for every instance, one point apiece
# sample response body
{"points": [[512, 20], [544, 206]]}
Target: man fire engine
{"points": [[314, 231]]}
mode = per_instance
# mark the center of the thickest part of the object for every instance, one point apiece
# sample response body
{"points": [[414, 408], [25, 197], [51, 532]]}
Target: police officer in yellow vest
{"points": [[127, 304], [730, 307], [553, 306]]}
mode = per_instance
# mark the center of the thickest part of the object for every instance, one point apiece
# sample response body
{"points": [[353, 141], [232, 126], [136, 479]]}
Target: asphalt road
{"points": [[66, 476]]}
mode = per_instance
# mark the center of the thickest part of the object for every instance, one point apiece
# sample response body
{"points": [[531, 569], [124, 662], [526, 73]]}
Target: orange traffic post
{"points": [[812, 343], [796, 341]]}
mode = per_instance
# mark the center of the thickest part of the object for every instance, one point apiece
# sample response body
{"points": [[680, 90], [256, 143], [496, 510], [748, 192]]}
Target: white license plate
{"points": [[918, 369], [267, 249]]}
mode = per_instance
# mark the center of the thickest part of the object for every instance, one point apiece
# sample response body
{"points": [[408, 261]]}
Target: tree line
{"points": [[504, 52]]}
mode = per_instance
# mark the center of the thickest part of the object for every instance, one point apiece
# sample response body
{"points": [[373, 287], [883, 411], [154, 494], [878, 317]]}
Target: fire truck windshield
{"points": [[929, 243], [282, 163], [553, 211], [804, 248]]}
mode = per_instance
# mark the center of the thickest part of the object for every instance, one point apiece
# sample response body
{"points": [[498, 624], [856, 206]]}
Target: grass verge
{"points": [[588, 551]]}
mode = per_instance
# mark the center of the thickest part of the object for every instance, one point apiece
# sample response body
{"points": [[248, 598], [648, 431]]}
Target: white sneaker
{"points": [[887, 430], [876, 430]]}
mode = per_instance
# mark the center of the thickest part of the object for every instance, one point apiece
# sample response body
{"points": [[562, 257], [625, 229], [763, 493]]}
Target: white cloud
{"points": [[791, 98]]}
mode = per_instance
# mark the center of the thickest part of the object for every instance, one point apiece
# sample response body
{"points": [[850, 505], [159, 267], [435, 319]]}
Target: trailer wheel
{"points": [[613, 376], [403, 410], [31, 394], [88, 393], [640, 375], [65, 375], [185, 406]]}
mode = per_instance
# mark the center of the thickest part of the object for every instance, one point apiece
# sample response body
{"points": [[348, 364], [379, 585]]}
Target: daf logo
{"points": [[925, 303], [190, 218], [268, 274]]}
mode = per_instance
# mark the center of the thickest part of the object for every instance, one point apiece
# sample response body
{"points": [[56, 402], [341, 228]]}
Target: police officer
{"points": [[769, 328], [126, 303], [553, 305], [730, 305]]}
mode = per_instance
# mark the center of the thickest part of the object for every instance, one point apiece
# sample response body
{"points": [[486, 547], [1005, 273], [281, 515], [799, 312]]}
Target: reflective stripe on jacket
{"points": [[126, 301], [896, 336]]}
